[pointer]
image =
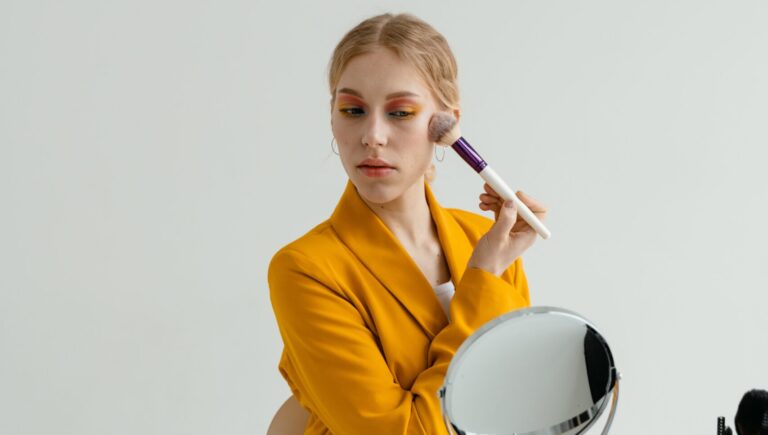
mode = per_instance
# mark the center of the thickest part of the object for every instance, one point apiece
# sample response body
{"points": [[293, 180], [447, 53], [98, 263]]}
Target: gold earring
{"points": [[442, 156], [334, 149]]}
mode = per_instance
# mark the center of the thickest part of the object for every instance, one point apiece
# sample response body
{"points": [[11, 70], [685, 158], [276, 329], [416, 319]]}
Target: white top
{"points": [[444, 294]]}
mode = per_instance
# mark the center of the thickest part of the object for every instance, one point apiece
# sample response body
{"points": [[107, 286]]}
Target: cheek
{"points": [[336, 125], [343, 130], [414, 141], [345, 138], [413, 131], [419, 152]]}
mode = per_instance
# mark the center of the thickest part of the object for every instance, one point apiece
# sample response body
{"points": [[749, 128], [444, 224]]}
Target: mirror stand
{"points": [[611, 413]]}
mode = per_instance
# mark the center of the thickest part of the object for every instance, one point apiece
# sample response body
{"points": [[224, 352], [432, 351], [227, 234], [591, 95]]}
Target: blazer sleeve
{"points": [[339, 368]]}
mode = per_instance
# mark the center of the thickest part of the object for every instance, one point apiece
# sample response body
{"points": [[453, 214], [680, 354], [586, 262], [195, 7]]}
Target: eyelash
{"points": [[354, 112]]}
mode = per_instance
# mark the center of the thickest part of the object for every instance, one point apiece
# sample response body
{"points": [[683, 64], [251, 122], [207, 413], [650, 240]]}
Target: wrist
{"points": [[497, 271]]}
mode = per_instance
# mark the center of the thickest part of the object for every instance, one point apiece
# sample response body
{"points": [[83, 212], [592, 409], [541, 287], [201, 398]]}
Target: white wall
{"points": [[143, 153]]}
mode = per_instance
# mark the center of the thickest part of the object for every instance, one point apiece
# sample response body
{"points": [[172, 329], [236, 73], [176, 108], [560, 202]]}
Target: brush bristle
{"points": [[443, 129]]}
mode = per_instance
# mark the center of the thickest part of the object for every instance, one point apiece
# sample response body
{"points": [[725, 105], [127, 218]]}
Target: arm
{"points": [[339, 368]]}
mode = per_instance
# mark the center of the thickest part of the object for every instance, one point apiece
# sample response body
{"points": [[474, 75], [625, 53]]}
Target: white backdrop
{"points": [[155, 154]]}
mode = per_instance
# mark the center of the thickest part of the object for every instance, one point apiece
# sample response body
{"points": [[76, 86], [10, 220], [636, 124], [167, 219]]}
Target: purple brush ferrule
{"points": [[469, 154]]}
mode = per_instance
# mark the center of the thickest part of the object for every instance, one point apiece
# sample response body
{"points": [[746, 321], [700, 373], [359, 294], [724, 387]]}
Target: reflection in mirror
{"points": [[535, 371]]}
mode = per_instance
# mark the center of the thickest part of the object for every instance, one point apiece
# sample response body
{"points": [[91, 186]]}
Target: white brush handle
{"points": [[493, 180]]}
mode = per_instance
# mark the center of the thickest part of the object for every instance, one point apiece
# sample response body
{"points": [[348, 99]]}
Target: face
{"points": [[380, 117]]}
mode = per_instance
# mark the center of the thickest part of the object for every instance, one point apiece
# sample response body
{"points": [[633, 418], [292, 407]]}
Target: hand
{"points": [[509, 236]]}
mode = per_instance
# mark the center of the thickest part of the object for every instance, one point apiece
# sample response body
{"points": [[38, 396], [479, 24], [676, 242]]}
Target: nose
{"points": [[375, 133]]}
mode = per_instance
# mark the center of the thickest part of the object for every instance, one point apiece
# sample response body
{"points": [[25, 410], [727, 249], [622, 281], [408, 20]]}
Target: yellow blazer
{"points": [[366, 342]]}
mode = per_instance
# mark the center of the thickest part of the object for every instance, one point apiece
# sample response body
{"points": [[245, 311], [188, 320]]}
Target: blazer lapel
{"points": [[361, 230], [453, 239]]}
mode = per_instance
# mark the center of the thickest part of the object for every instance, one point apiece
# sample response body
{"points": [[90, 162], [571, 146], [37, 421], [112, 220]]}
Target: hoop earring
{"points": [[442, 155], [334, 149]]}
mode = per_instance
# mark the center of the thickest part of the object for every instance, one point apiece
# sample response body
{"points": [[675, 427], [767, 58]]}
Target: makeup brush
{"points": [[444, 130]]}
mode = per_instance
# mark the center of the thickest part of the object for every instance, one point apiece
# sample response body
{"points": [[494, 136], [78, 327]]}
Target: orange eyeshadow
{"points": [[348, 99], [399, 102], [404, 104]]}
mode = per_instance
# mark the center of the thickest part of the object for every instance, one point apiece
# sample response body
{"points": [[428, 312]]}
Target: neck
{"points": [[407, 216]]}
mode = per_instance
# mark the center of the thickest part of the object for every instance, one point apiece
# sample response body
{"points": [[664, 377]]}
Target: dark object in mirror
{"points": [[599, 363], [752, 415]]}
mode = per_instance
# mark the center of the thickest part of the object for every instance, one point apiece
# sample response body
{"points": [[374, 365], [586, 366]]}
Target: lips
{"points": [[375, 163], [375, 168]]}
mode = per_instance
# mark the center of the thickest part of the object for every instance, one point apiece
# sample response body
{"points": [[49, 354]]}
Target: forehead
{"points": [[382, 72]]}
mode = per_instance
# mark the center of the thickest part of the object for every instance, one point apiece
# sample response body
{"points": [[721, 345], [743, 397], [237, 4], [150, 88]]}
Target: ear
{"points": [[457, 114]]}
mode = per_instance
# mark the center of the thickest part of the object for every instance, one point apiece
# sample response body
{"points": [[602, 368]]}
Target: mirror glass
{"points": [[539, 370]]}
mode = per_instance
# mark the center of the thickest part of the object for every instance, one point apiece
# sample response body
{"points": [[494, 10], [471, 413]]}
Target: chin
{"points": [[377, 192]]}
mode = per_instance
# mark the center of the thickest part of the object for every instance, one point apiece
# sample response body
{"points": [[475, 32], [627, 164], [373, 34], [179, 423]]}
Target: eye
{"points": [[351, 111], [403, 114]]}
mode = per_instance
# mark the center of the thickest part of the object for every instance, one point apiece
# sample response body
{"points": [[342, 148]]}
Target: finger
{"points": [[532, 203], [489, 207], [526, 238], [523, 231], [521, 226], [488, 199], [487, 187], [507, 216], [494, 209]]}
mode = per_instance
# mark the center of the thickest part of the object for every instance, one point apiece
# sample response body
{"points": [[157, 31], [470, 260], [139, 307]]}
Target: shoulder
{"points": [[319, 236], [308, 248], [314, 256], [293, 271]]}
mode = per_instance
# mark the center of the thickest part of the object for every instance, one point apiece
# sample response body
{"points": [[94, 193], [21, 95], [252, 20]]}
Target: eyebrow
{"points": [[388, 97]]}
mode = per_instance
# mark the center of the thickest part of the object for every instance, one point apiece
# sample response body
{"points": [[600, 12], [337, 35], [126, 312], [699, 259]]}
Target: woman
{"points": [[373, 303]]}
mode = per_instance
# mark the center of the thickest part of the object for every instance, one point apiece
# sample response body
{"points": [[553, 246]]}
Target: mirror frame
{"points": [[589, 416]]}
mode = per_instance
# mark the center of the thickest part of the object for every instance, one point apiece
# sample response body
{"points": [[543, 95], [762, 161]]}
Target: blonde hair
{"points": [[412, 40]]}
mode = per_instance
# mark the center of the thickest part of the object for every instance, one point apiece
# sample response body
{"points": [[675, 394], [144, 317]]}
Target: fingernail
{"points": [[509, 204]]}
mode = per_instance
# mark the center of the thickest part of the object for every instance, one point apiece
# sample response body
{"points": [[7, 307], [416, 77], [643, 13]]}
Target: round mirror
{"points": [[535, 371]]}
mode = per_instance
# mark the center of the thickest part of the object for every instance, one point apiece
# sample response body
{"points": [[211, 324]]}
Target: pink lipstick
{"points": [[375, 168]]}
